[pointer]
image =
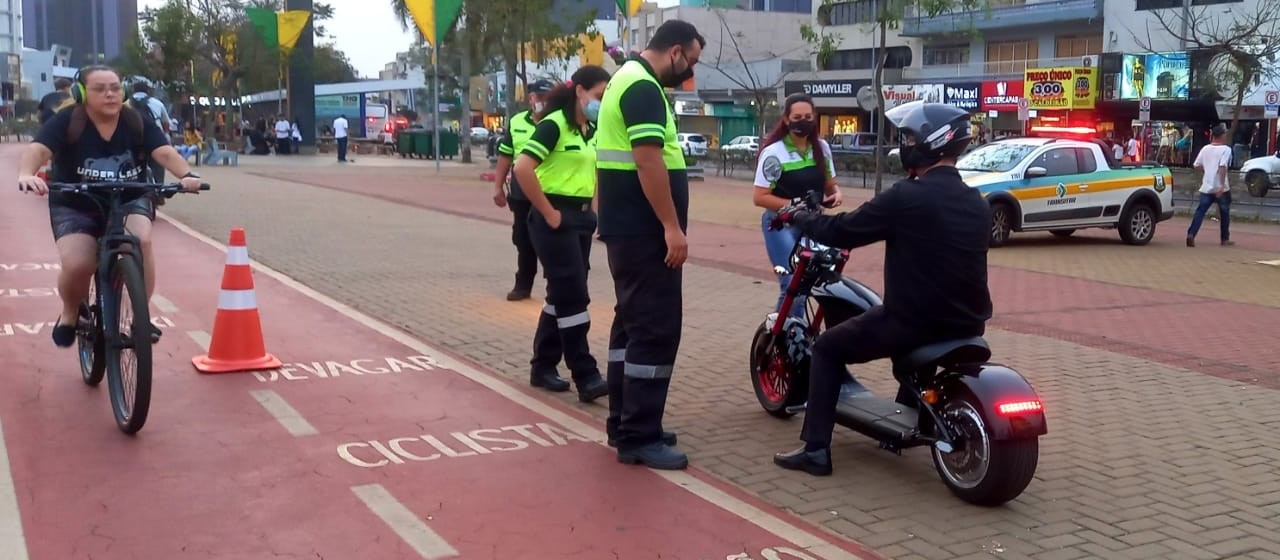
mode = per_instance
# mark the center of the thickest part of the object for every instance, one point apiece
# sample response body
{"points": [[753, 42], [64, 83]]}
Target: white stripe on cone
{"points": [[237, 300], [238, 256]]}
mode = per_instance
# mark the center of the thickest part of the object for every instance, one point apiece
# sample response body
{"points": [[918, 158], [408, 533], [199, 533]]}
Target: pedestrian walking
{"points": [[557, 173], [1215, 186], [520, 129], [644, 208]]}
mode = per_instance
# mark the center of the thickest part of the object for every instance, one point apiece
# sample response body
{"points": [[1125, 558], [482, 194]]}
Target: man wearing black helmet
{"points": [[936, 230], [520, 130]]}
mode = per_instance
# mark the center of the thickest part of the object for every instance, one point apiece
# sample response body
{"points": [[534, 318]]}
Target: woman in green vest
{"points": [[556, 170]]}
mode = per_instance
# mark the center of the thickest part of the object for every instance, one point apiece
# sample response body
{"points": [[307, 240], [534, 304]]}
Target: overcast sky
{"points": [[366, 31]]}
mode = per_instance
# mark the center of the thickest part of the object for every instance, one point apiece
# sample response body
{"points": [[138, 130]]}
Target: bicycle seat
{"points": [[948, 353]]}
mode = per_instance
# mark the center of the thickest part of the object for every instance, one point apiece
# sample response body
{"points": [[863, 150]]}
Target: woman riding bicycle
{"points": [[557, 172], [96, 138], [789, 167]]}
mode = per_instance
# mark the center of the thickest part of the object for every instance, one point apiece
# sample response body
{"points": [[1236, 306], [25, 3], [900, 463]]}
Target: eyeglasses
{"points": [[101, 90]]}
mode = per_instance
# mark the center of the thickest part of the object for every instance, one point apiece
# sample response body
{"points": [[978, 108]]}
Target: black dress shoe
{"points": [[549, 381], [518, 294], [816, 463], [592, 390], [668, 438]]}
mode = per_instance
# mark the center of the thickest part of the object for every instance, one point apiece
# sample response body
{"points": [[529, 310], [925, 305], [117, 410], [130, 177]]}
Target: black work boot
{"points": [[518, 294], [592, 388], [668, 438], [655, 455], [550, 381]]}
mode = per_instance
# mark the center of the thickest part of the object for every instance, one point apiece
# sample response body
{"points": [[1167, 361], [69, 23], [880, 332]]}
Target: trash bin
{"points": [[404, 143], [423, 144], [448, 144]]}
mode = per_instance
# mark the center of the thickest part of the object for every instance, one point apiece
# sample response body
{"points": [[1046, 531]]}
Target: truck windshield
{"points": [[994, 157]]}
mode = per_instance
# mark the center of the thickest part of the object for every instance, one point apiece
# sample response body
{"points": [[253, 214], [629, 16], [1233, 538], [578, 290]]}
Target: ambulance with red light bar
{"points": [[1061, 185]]}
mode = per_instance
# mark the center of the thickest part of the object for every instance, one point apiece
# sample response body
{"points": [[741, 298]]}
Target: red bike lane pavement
{"points": [[365, 444]]}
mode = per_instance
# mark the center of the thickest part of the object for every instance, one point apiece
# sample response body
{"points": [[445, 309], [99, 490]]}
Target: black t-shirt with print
{"points": [[93, 159]]}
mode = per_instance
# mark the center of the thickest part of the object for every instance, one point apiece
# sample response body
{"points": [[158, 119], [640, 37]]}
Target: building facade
{"points": [[96, 30], [1079, 67], [11, 50]]}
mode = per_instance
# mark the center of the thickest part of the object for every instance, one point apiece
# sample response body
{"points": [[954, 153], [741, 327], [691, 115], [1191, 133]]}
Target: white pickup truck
{"points": [[1061, 185]]}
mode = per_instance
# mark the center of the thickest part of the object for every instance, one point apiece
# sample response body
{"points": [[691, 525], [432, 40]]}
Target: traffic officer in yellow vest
{"points": [[556, 170], [518, 132], [644, 208]]}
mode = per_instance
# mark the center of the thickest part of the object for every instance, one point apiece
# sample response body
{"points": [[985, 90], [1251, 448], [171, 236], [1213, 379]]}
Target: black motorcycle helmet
{"points": [[929, 132]]}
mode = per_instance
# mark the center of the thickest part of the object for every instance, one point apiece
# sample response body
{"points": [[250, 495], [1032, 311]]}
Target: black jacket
{"points": [[936, 231]]}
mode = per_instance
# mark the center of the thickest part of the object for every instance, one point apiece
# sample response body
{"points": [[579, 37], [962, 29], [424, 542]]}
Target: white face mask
{"points": [[539, 106]]}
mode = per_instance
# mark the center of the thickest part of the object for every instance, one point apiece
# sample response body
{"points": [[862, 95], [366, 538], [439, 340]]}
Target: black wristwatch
{"points": [[191, 175]]}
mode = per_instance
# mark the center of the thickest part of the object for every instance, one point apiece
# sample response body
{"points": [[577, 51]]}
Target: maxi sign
{"points": [[962, 95], [1061, 88]]}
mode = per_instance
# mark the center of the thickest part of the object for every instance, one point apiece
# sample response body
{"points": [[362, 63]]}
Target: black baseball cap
{"points": [[541, 86]]}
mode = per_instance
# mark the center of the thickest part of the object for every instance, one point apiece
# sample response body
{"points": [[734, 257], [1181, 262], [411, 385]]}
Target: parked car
{"points": [[1060, 185], [479, 134], [855, 143], [1260, 174], [692, 144], [742, 145]]}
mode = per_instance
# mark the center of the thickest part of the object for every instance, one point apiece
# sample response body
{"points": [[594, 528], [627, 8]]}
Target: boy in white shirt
{"points": [[1214, 188]]}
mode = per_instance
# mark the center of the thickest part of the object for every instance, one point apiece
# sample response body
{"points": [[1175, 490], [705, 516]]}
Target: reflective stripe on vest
{"points": [[568, 168], [614, 139]]}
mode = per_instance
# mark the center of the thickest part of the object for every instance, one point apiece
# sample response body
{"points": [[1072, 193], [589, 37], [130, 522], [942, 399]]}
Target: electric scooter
{"points": [[982, 420]]}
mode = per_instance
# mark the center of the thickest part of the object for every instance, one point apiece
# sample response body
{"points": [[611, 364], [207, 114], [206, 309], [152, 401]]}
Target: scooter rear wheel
{"points": [[778, 383], [981, 471]]}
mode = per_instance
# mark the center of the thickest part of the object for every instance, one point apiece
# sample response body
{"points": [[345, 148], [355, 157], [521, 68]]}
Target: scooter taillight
{"points": [[1019, 407]]}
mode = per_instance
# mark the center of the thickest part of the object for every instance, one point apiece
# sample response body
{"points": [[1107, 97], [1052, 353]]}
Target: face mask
{"points": [[539, 106], [592, 110], [801, 128], [681, 77]]}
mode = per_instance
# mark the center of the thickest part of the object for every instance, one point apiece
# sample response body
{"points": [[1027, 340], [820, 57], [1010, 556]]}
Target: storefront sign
{"points": [[729, 110], [1158, 76], [1061, 88], [1001, 95], [962, 95], [824, 88], [691, 108], [898, 94]]}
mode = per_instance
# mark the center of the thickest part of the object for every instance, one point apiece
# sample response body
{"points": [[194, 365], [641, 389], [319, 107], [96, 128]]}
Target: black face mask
{"points": [[677, 78], [801, 128]]}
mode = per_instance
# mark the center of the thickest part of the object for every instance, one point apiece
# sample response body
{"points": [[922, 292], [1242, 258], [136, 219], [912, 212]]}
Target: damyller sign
{"points": [[824, 88]]}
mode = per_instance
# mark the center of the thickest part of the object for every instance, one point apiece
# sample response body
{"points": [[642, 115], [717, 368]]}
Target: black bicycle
{"points": [[114, 330]]}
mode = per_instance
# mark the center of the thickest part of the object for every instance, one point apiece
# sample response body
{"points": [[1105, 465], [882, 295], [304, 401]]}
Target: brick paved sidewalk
{"points": [[1143, 459]]}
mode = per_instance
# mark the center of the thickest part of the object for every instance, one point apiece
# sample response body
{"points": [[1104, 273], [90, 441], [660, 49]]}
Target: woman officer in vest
{"points": [[793, 162], [556, 170]]}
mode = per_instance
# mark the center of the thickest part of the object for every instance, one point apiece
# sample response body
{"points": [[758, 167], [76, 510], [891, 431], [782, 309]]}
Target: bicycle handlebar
{"points": [[81, 188]]}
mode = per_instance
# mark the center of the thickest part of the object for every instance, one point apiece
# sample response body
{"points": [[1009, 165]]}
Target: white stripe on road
{"points": [[284, 413], [163, 304], [202, 338], [13, 544], [237, 300], [770, 522], [412, 530]]}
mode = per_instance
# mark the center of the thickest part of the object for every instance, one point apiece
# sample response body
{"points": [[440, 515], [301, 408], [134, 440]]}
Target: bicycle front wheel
{"points": [[127, 322], [93, 360]]}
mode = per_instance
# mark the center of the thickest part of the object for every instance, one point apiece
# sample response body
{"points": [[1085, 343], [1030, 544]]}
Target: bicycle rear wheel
{"points": [[93, 360], [127, 323]]}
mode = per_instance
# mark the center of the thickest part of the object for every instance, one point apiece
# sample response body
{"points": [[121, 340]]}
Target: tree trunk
{"points": [[466, 37], [878, 83], [1246, 77]]}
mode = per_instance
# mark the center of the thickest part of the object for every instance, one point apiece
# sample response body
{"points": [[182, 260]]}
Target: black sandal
{"points": [[63, 335]]}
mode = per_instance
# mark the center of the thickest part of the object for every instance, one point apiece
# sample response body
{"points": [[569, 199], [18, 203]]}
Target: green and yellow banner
{"points": [[434, 17], [279, 30]]}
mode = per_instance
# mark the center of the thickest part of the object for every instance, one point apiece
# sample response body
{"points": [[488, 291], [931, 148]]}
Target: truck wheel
{"points": [[1001, 223], [1258, 183], [1137, 224]]}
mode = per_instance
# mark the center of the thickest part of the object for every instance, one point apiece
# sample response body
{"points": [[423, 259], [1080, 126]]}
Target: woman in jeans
{"points": [[793, 162]]}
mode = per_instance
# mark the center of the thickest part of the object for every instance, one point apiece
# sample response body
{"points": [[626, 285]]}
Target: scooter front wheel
{"points": [[979, 470], [779, 384]]}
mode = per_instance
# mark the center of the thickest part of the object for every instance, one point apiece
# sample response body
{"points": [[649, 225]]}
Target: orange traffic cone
{"points": [[237, 330]]}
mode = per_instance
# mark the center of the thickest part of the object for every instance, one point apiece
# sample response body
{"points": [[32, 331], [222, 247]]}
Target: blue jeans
{"points": [[1224, 213], [779, 244]]}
